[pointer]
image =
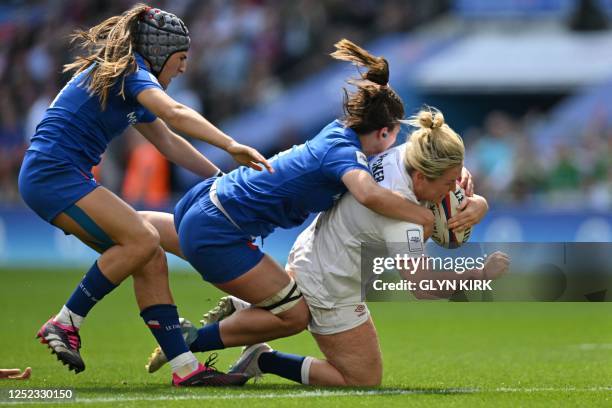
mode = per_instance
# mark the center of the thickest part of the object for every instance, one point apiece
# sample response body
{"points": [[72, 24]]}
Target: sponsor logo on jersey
{"points": [[361, 158], [415, 241]]}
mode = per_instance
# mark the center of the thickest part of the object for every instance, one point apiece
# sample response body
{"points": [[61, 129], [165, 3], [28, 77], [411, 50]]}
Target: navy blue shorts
{"points": [[216, 248], [49, 186]]}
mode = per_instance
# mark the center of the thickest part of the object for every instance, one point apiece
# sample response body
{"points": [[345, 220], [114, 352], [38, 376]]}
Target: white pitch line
{"points": [[301, 394], [549, 389], [315, 394]]}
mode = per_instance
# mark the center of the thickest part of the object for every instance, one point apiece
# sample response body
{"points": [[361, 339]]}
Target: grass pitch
{"points": [[435, 353]]}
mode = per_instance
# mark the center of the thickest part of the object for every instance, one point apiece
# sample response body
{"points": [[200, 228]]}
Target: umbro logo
{"points": [[360, 310]]}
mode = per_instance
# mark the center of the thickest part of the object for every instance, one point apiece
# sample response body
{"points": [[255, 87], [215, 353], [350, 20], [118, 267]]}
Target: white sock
{"points": [[64, 317], [306, 369], [184, 364]]}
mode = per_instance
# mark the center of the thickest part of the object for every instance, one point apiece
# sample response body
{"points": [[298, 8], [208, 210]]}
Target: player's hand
{"points": [[467, 182], [15, 373], [427, 221], [496, 265], [471, 212], [248, 156]]}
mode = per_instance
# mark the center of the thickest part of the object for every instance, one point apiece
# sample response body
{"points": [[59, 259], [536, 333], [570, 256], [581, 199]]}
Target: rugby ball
{"points": [[442, 212]]}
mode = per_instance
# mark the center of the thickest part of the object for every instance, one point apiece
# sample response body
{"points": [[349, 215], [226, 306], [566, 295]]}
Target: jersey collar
{"points": [[404, 172], [140, 61], [349, 133]]}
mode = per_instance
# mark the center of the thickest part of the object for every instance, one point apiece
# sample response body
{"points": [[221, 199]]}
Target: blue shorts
{"points": [[216, 248], [49, 186]]}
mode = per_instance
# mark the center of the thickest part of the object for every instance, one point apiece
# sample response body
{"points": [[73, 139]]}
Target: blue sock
{"points": [[163, 321], [285, 365], [91, 289], [209, 338]]}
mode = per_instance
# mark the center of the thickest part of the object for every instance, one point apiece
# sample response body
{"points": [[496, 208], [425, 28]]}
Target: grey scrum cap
{"points": [[159, 35]]}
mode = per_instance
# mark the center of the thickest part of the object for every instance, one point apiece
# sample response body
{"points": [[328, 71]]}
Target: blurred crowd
{"points": [[245, 52], [511, 166]]}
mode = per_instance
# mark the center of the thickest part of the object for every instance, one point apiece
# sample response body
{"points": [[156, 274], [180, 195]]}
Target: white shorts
{"points": [[338, 319]]}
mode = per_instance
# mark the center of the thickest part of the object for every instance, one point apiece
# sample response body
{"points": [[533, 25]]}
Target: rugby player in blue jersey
{"points": [[121, 82], [215, 223]]}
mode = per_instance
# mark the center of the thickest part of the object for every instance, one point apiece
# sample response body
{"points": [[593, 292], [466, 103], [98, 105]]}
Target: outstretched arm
{"points": [[386, 202], [176, 149], [191, 123]]}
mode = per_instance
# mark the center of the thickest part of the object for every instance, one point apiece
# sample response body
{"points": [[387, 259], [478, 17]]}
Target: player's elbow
{"points": [[173, 114], [485, 203]]}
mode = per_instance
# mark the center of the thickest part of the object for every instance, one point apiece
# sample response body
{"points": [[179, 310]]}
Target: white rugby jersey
{"points": [[326, 257]]}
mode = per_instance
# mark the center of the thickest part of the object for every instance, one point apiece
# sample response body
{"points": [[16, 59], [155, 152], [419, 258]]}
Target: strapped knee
{"points": [[285, 299]]}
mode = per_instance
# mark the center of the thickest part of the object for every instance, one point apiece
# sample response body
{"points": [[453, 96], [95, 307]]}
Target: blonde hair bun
{"points": [[430, 119]]}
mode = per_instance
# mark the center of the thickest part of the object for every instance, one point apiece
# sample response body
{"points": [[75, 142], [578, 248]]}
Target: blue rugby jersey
{"points": [[76, 129], [307, 179]]}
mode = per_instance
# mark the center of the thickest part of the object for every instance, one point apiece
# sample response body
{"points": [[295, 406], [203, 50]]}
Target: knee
{"points": [[155, 268], [145, 243], [159, 259], [372, 381], [372, 377]]}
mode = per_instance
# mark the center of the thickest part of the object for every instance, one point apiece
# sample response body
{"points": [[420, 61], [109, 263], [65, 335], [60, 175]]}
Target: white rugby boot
{"points": [[247, 363]]}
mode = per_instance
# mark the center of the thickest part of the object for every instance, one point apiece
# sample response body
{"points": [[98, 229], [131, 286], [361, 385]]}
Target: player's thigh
{"points": [[355, 353], [164, 224], [264, 280], [70, 226], [120, 222]]}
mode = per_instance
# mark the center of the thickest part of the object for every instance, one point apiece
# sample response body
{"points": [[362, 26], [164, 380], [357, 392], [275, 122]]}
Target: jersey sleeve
{"points": [[341, 158], [403, 238], [138, 81], [144, 115]]}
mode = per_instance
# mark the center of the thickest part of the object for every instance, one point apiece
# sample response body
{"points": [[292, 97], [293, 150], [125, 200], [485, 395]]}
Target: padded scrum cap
{"points": [[159, 35]]}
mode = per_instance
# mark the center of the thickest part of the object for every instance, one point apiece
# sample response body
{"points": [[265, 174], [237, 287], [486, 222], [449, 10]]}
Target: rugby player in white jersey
{"points": [[325, 261]]}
